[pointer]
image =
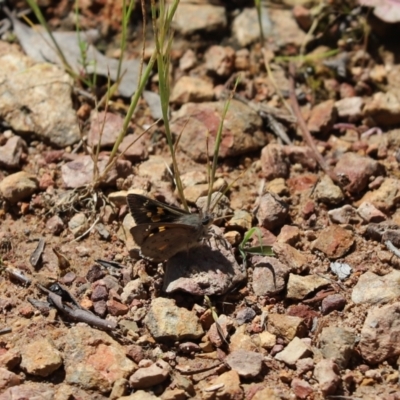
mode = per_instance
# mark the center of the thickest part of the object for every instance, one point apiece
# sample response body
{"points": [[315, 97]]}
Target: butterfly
{"points": [[162, 230]]}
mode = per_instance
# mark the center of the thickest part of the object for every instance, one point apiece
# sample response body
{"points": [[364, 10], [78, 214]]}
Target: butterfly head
{"points": [[207, 219]]}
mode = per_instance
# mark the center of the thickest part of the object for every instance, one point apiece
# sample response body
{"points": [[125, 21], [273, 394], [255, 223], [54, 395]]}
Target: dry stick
{"points": [[76, 314], [303, 127], [392, 248]]}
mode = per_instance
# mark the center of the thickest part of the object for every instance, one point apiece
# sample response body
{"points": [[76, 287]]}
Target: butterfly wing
{"points": [[145, 210], [161, 241]]}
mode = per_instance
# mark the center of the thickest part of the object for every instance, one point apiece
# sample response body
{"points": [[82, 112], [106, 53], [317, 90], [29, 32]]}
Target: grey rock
{"points": [[327, 192], [104, 128], [18, 186], [375, 289], [150, 376], [369, 213], [274, 162], [342, 270], [191, 18], [380, 332], [51, 115], [78, 224], [327, 374], [295, 350], [167, 321], [204, 269], [344, 215], [269, 276], [245, 26], [246, 363], [272, 211], [357, 170], [337, 344], [350, 107]]}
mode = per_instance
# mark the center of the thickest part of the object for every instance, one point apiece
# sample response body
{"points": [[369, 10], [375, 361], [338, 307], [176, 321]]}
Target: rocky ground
{"points": [[310, 156]]}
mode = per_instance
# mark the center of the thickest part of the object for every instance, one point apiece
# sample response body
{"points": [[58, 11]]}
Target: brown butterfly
{"points": [[162, 231]]}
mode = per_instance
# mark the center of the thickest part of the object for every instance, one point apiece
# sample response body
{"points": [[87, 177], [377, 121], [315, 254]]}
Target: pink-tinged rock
{"points": [[334, 302], [274, 162], [80, 172], [346, 90], [369, 213], [116, 308], [55, 225], [326, 373], [188, 60], [322, 117], [302, 16], [302, 183], [8, 379], [150, 376], [357, 171], [93, 360], [104, 128], [29, 390], [204, 270], [241, 131], [290, 256], [272, 211], [334, 241], [134, 148], [220, 330], [11, 153], [269, 276], [289, 235], [99, 292], [46, 180], [247, 364], [10, 359], [301, 388], [344, 215], [380, 333], [302, 155], [374, 289], [220, 60], [303, 365]]}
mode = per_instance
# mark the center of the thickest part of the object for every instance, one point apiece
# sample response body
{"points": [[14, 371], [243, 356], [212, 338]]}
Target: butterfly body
{"points": [[162, 230]]}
